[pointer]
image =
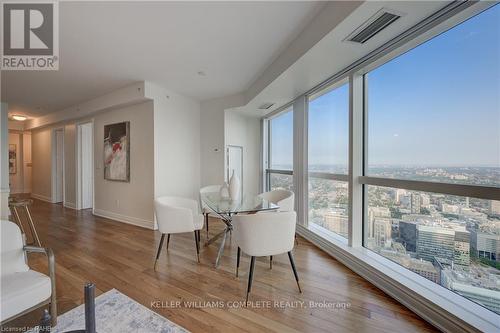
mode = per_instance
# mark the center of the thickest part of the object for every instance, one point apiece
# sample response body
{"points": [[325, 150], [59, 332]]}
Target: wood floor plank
{"points": [[121, 256]]}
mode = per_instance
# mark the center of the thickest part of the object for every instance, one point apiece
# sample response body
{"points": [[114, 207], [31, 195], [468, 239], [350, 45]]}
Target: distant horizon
{"points": [[406, 165]]}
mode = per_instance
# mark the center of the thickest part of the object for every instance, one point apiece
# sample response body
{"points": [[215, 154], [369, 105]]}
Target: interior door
{"points": [[235, 162]]}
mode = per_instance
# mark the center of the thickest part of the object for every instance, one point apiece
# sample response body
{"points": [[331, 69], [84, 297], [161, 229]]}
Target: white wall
{"points": [[165, 151], [244, 131], [27, 162], [130, 202], [16, 179], [4, 162], [176, 143], [20, 182], [212, 138]]}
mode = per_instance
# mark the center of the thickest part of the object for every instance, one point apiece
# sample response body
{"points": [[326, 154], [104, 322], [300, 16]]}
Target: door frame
{"points": [[78, 157], [242, 166], [54, 166]]}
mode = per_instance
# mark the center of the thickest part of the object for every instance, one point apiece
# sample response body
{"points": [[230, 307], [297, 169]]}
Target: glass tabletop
{"points": [[249, 203]]}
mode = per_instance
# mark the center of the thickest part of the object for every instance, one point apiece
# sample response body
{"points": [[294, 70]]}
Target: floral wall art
{"points": [[117, 151]]}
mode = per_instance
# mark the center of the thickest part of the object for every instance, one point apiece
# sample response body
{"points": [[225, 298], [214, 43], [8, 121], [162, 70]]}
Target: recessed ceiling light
{"points": [[202, 73], [19, 118]]}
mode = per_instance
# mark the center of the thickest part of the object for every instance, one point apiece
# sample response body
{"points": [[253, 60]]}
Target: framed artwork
{"points": [[12, 159], [117, 152]]}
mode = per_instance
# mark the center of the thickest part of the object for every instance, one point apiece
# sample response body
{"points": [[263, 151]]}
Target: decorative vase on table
{"points": [[234, 187], [224, 191]]}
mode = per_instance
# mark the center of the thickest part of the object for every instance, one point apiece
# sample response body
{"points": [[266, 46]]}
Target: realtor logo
{"points": [[30, 36]]}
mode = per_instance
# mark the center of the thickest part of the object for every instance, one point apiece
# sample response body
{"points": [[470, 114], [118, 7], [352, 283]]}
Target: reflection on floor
{"points": [[204, 299]]}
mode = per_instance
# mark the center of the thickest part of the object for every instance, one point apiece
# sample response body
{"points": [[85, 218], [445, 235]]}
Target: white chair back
{"points": [[265, 234], [208, 189], [283, 198], [11, 249], [175, 214]]}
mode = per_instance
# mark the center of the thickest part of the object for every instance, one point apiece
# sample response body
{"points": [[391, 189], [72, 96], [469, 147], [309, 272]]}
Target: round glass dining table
{"points": [[225, 209]]}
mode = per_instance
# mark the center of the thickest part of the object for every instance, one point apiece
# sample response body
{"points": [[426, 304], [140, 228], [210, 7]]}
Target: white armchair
{"points": [[265, 234], [205, 210], [178, 215], [283, 198], [22, 289]]}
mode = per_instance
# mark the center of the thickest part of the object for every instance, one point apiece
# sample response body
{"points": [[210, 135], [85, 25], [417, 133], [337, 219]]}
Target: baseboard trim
{"points": [[125, 219], [424, 307], [70, 205], [41, 197]]}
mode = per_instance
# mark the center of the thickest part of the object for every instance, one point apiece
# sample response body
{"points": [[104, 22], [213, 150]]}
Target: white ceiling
{"points": [[332, 54], [104, 46]]}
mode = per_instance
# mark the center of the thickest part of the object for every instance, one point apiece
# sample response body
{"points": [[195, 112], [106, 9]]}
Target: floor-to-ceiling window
{"points": [[279, 172], [425, 150], [328, 153], [433, 119]]}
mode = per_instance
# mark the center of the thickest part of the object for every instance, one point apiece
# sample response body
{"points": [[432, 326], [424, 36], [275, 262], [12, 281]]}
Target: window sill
{"points": [[439, 306]]}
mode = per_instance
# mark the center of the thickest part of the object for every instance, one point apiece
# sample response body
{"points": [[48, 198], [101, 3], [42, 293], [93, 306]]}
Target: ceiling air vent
{"points": [[266, 106], [381, 20]]}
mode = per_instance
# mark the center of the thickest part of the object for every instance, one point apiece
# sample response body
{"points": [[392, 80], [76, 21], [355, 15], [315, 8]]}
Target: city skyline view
{"points": [[420, 127]]}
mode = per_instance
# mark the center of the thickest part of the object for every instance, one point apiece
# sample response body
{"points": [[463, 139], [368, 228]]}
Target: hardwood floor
{"points": [[117, 255]]}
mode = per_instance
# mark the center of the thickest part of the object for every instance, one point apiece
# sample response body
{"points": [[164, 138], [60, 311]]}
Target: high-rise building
{"points": [[434, 242], [374, 212], [398, 193], [337, 222], [415, 203], [408, 235], [461, 254], [426, 200], [451, 244], [382, 228], [486, 245]]}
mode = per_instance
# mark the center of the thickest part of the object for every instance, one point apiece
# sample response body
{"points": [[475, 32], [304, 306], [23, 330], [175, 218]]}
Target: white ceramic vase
{"points": [[224, 191], [234, 187]]}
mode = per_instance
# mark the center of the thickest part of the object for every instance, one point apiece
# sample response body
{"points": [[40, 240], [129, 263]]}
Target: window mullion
{"points": [[300, 158], [356, 129]]}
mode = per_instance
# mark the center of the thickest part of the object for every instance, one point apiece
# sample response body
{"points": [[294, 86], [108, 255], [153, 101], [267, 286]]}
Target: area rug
{"points": [[116, 312]]}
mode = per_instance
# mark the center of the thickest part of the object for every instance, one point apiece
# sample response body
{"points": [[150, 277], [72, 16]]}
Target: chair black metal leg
{"points": [[292, 262], [206, 223], [197, 245], [168, 240], [238, 261], [250, 277], [270, 262], [159, 249]]}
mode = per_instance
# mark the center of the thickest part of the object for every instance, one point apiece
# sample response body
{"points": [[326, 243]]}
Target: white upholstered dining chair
{"points": [[285, 199], [205, 210], [178, 215], [264, 234], [23, 289]]}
